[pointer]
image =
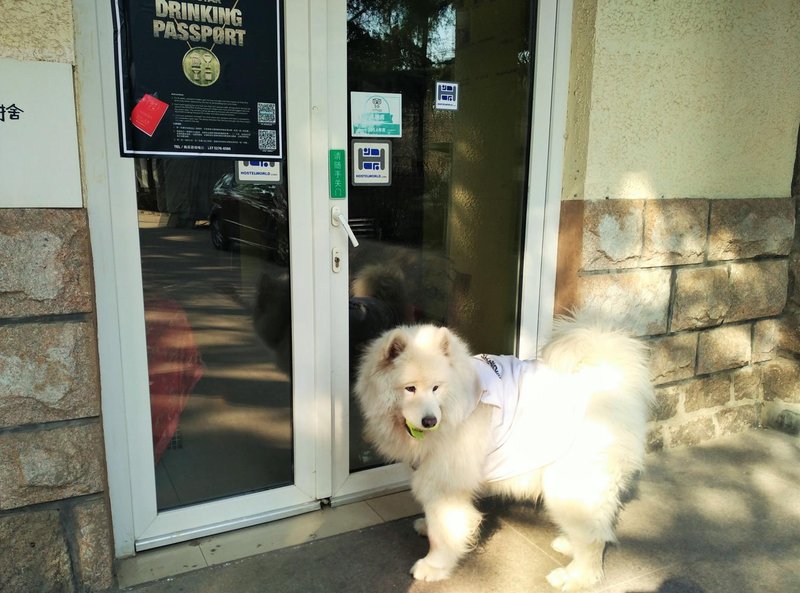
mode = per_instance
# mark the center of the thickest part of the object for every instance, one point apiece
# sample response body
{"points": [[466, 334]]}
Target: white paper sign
{"points": [[376, 115], [258, 171], [39, 165]]}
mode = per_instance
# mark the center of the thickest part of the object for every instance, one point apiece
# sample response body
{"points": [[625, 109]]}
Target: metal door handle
{"points": [[338, 219]]}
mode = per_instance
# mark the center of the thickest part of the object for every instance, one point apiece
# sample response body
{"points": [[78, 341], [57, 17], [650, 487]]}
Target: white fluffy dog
{"points": [[568, 428]]}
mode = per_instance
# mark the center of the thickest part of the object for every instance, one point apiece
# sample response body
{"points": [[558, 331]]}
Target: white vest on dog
{"points": [[536, 414]]}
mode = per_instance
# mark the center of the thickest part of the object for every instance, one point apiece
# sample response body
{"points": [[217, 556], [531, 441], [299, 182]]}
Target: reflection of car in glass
{"points": [[250, 214]]}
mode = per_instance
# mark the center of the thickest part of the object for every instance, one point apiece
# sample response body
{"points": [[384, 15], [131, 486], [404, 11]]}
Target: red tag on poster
{"points": [[148, 113]]}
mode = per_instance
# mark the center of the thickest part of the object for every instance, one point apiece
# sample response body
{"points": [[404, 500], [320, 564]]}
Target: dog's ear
{"points": [[395, 346], [444, 340]]}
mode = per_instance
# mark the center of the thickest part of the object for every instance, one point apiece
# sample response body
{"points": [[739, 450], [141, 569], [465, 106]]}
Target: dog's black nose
{"points": [[429, 421]]}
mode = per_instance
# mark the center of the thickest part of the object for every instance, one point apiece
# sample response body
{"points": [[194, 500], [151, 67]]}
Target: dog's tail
{"points": [[587, 342]]}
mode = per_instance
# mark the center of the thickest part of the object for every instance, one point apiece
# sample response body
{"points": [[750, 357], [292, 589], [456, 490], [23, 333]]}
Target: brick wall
{"points": [[55, 531], [706, 283]]}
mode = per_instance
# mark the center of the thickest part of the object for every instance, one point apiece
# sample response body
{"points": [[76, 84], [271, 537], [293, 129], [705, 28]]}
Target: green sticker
{"points": [[337, 173]]}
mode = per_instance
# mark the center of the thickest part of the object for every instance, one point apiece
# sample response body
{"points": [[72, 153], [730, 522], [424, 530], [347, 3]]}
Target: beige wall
{"points": [[683, 98], [37, 30]]}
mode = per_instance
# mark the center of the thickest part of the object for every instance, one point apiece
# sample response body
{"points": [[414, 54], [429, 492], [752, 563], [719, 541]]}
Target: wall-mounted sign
{"points": [[446, 96], [39, 165], [376, 115], [372, 162], [199, 78], [258, 171]]}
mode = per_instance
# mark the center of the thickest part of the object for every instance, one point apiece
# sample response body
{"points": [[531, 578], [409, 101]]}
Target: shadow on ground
{"points": [[717, 518]]}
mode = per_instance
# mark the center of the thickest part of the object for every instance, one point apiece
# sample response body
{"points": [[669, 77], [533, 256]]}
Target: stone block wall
{"points": [[55, 529], [781, 376], [705, 282]]}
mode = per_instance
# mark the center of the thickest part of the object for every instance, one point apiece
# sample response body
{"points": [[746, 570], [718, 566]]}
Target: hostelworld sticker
{"points": [[198, 59]]}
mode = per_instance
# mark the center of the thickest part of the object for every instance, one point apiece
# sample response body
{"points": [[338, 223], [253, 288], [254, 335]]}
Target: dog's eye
{"points": [[411, 389], [435, 387]]}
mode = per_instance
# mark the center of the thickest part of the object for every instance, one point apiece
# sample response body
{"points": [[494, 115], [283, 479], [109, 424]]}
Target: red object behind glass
{"points": [[174, 367]]}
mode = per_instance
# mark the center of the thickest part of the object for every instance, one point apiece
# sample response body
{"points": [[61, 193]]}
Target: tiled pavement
{"points": [[722, 517]]}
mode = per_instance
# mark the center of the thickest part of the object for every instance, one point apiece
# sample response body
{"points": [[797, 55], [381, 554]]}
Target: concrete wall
{"points": [[38, 30], [683, 99], [55, 529]]}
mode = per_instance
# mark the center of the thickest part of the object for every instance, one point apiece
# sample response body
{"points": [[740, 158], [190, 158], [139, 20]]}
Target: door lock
{"points": [[336, 260]]}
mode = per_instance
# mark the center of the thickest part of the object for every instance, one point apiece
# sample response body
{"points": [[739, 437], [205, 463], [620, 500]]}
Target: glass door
{"points": [[212, 382], [442, 235], [231, 316]]}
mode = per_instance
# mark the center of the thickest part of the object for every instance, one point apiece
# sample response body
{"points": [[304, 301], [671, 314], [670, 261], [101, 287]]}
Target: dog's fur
{"points": [[412, 373]]}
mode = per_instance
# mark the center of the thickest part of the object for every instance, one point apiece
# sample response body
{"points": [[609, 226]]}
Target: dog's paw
{"points": [[421, 526], [424, 571], [570, 579], [562, 546]]}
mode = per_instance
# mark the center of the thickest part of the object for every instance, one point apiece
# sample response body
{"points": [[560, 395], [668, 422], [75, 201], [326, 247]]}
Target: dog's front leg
{"points": [[451, 525]]}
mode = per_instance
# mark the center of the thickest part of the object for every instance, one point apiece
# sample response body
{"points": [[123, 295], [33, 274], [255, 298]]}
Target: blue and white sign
{"points": [[376, 115], [446, 96], [372, 162], [258, 171]]}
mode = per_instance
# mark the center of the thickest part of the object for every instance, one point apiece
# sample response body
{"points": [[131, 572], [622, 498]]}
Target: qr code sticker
{"points": [[267, 140], [266, 114]]}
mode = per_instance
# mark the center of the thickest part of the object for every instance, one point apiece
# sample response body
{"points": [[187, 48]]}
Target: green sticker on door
{"points": [[337, 174], [376, 115]]}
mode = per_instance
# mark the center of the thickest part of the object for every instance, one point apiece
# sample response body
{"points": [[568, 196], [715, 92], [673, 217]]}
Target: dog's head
{"points": [[419, 362], [418, 379]]}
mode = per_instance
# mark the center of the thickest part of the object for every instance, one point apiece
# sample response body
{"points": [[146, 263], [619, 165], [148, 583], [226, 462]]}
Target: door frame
{"points": [[329, 45], [315, 60], [545, 173]]}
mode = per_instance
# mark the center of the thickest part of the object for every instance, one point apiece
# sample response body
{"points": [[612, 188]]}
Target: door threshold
{"points": [[168, 561]]}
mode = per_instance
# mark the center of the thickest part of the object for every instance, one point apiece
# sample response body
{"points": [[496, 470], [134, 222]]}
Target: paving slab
{"points": [[721, 517]]}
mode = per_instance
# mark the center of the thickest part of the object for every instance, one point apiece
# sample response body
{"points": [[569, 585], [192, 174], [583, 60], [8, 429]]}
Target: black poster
{"points": [[200, 78]]}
